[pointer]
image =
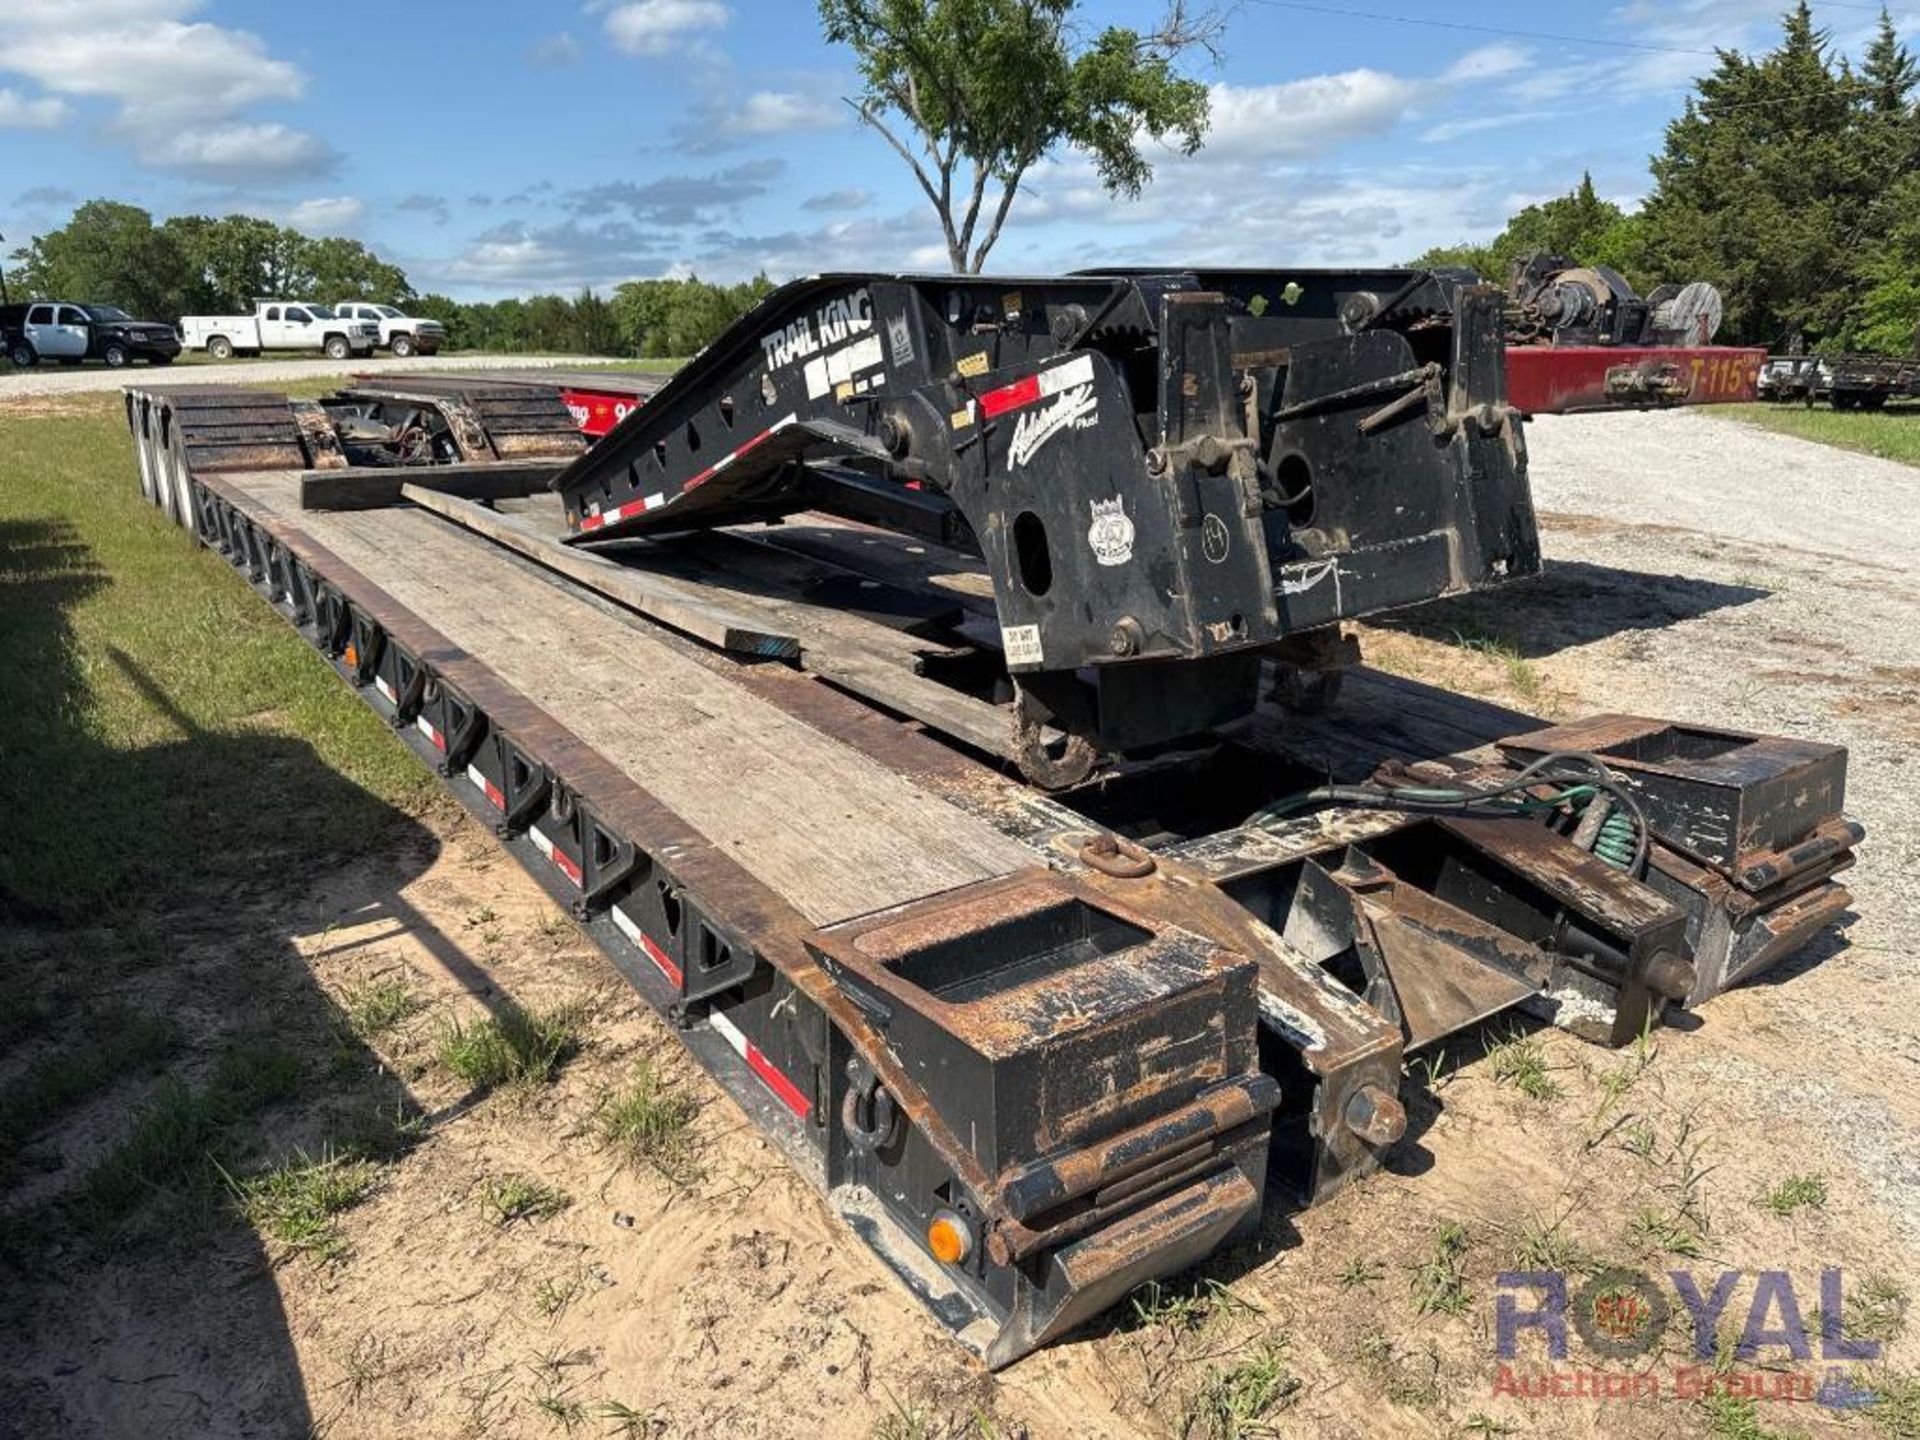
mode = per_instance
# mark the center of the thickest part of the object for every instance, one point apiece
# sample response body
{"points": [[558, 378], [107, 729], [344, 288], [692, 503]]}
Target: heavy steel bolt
{"points": [[1375, 1116]]}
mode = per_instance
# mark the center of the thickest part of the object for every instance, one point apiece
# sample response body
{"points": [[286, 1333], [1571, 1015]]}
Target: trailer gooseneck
{"points": [[1037, 1043]]}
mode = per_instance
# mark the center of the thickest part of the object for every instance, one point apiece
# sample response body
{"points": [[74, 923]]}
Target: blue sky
{"points": [[497, 149]]}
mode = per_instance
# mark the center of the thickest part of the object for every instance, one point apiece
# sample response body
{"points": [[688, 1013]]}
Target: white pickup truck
{"points": [[279, 325], [400, 332]]}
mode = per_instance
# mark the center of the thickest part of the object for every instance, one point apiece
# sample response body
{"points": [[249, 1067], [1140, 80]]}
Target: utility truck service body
{"points": [[279, 325]]}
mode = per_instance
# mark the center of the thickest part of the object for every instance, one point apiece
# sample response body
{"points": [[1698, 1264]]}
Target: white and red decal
{"points": [[439, 741], [789, 1093], [561, 860], [600, 519], [487, 788], [1031, 389], [662, 961]]}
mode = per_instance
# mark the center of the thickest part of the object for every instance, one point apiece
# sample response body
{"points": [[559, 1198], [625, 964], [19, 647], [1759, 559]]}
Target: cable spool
{"points": [[1693, 316]]}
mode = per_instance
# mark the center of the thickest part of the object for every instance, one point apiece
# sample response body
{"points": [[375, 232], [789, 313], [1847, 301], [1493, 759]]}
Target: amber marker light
{"points": [[949, 1238]]}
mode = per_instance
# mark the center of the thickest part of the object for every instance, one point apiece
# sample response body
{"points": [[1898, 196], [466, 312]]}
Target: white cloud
{"points": [[180, 86], [854, 198], [779, 112], [1489, 62], [658, 27], [1477, 124], [17, 112], [267, 151], [1308, 116], [326, 215], [159, 72]]}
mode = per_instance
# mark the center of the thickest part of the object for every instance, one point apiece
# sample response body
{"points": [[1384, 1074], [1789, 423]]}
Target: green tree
{"points": [[1764, 188], [1580, 224], [108, 253], [239, 258], [986, 89], [338, 269]]}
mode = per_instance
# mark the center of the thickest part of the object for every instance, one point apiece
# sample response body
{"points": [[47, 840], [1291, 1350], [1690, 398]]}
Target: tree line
{"points": [[114, 253], [1791, 180]]}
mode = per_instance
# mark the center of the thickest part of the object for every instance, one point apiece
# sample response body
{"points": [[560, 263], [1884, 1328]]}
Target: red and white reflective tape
{"points": [[1033, 388], [439, 740], [561, 860], [661, 960], [790, 1094], [600, 519], [380, 684], [487, 788]]}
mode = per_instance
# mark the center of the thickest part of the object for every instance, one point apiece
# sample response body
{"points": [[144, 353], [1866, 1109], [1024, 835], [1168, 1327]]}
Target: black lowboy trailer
{"points": [[1036, 1043]]}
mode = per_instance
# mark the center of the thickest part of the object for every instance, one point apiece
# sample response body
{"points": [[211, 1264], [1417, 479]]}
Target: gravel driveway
{"points": [[1709, 571], [65, 380]]}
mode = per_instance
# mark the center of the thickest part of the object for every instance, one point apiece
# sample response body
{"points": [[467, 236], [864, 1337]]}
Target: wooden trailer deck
{"points": [[833, 831]]}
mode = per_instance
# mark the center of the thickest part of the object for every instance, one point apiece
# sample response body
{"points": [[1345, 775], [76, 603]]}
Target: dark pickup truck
{"points": [[70, 333]]}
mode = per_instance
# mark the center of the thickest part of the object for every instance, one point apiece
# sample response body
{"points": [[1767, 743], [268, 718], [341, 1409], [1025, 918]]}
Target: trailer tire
{"points": [[116, 357], [220, 348], [336, 347], [402, 346], [22, 354]]}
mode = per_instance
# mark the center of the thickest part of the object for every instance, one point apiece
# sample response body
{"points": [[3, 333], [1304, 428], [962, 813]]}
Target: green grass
{"points": [[1890, 434], [1360, 1273], [1877, 1310], [375, 1006], [505, 1199], [1735, 1417], [1670, 1230], [516, 1049], [161, 1178], [1795, 1193], [1896, 1409], [1439, 1282], [1540, 1245], [650, 1123], [1232, 1402], [144, 681], [1523, 677], [1404, 1377], [106, 1046], [1521, 1061], [298, 1201]]}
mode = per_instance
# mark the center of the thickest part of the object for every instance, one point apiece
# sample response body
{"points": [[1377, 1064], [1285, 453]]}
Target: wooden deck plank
{"points": [[833, 831]]}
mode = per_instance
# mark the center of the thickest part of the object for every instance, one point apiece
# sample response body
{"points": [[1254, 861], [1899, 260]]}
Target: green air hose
{"points": [[1622, 840], [1618, 842]]}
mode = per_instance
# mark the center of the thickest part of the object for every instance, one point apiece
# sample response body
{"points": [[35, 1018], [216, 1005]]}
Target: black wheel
{"points": [[116, 357], [402, 346], [337, 348], [22, 354], [1873, 402], [220, 348]]}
